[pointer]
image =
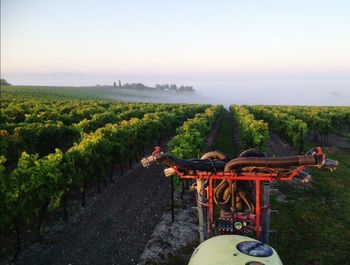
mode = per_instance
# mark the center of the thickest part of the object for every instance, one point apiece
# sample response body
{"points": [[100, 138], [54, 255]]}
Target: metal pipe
{"points": [[258, 208], [265, 215], [201, 221]]}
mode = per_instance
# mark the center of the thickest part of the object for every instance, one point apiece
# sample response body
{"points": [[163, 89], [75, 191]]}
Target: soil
{"points": [[338, 141], [236, 139], [210, 142], [115, 226], [276, 147]]}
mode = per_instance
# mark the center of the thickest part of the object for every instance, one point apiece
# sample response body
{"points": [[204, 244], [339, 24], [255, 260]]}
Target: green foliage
{"points": [[190, 138], [290, 128], [187, 145], [224, 140], [93, 134], [31, 185], [254, 133], [6, 196], [3, 82], [39, 125], [189, 141], [288, 121]]}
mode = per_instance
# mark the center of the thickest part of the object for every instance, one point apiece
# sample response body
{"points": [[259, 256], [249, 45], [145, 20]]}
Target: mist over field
{"points": [[289, 89], [245, 52]]}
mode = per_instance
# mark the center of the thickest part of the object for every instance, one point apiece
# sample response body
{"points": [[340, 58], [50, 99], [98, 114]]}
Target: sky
{"points": [[249, 46]]}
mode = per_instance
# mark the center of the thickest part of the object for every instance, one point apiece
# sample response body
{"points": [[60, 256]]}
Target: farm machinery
{"points": [[233, 200]]}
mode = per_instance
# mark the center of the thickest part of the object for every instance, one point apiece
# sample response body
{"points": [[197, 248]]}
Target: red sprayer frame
{"points": [[257, 177]]}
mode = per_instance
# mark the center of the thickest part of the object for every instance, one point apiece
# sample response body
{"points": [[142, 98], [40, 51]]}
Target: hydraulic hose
{"points": [[249, 204], [222, 194], [194, 164], [213, 155], [309, 160]]}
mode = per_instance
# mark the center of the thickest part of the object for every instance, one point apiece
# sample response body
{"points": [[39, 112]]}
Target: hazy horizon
{"points": [[297, 89], [249, 52]]}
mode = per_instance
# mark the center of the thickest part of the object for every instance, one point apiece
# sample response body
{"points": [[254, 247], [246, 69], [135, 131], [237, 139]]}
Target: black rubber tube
{"points": [[194, 164], [287, 161]]}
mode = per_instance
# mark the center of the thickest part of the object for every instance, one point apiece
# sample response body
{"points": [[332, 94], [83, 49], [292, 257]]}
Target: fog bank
{"points": [[289, 89]]}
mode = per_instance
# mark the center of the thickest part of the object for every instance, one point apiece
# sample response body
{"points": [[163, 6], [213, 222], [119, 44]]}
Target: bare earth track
{"points": [[276, 147], [114, 229]]}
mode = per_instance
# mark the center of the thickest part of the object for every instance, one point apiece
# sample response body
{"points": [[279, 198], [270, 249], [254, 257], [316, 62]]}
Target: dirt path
{"points": [[276, 147], [210, 142], [226, 135], [338, 141], [115, 228]]}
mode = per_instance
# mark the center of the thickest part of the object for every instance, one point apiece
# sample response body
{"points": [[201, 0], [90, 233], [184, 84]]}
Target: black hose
{"points": [[194, 164], [272, 162]]}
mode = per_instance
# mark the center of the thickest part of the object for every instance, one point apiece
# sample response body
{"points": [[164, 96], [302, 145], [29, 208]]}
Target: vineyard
{"points": [[52, 148]]}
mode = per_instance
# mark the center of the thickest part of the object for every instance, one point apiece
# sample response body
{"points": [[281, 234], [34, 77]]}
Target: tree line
{"points": [[164, 87]]}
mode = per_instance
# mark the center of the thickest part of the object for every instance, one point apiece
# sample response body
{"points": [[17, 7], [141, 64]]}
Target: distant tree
{"points": [[173, 87], [4, 83], [137, 86], [186, 89], [189, 88], [114, 84], [166, 87]]}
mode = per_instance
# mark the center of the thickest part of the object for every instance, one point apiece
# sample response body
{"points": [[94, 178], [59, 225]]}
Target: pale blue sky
{"points": [[172, 39]]}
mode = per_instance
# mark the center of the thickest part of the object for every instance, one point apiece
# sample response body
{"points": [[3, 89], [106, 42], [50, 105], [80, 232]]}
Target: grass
{"points": [[314, 225], [224, 139]]}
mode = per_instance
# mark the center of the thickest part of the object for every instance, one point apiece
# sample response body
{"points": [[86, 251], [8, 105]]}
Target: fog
{"points": [[288, 89]]}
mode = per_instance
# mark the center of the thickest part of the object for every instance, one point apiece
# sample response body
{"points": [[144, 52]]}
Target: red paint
{"points": [[257, 177]]}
